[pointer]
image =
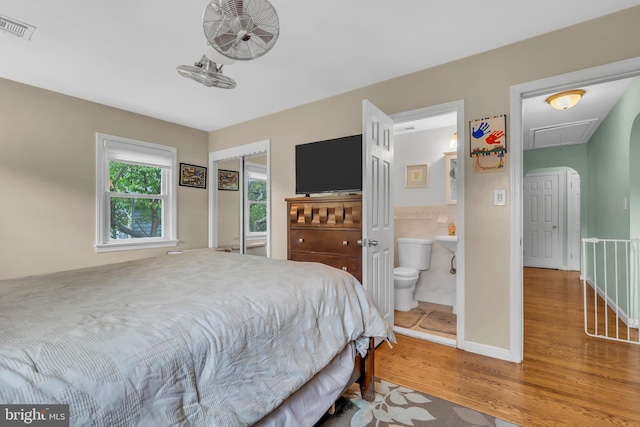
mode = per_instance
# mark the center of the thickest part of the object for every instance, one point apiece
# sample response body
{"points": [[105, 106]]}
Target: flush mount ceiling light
{"points": [[565, 100]]}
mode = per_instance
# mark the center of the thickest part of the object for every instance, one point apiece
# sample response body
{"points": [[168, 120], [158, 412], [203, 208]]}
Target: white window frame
{"points": [[262, 169], [145, 154]]}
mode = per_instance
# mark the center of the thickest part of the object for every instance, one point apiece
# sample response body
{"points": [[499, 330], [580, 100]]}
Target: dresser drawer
{"points": [[351, 265], [336, 242]]}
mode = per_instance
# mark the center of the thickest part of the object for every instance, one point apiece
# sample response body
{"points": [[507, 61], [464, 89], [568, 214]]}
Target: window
{"points": [[256, 200], [135, 194]]}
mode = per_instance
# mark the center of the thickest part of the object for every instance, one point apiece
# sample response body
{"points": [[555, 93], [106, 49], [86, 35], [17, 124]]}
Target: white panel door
{"points": [[377, 208], [541, 221]]}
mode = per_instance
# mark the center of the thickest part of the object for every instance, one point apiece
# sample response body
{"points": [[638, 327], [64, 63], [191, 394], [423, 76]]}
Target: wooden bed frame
{"points": [[366, 374]]}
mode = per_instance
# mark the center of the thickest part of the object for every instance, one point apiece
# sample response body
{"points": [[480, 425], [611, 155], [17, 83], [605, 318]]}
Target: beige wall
{"points": [[47, 179], [483, 81]]}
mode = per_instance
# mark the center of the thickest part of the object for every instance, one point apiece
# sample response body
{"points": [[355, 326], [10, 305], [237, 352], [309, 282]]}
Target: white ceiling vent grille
{"points": [[15, 27]]}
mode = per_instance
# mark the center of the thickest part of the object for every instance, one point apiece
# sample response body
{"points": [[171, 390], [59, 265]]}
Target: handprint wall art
{"points": [[488, 143]]}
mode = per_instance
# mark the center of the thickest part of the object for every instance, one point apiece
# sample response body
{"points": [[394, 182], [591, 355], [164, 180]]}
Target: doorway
{"points": [[606, 73], [552, 218], [427, 212]]}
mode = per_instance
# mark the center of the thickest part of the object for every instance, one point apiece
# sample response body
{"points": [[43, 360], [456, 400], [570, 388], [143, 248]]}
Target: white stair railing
{"points": [[610, 288]]}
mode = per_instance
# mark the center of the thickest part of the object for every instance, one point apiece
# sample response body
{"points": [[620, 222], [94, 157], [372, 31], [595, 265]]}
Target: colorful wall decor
{"points": [[193, 176], [488, 138]]}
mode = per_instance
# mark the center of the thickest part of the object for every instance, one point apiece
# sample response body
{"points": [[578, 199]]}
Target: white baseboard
{"points": [[424, 336], [487, 350]]}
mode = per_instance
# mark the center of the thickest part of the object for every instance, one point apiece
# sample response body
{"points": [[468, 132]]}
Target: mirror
{"points": [[228, 212], [451, 169], [256, 189], [240, 181]]}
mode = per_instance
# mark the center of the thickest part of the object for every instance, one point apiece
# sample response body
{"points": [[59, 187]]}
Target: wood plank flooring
{"points": [[566, 378]]}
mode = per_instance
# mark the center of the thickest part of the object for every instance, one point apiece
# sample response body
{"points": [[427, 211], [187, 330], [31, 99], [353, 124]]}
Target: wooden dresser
{"points": [[326, 230]]}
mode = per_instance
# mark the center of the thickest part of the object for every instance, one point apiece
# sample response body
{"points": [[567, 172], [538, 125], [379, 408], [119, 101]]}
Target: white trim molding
{"points": [[599, 74], [119, 149], [254, 148]]}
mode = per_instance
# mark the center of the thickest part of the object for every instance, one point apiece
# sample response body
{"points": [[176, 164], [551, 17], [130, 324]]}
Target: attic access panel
{"points": [[564, 134]]}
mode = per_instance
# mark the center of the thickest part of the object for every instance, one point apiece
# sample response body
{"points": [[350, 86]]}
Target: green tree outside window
{"points": [[131, 216], [257, 197]]}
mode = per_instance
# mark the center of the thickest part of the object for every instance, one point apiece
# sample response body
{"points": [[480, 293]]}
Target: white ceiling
{"points": [[124, 53], [545, 127]]}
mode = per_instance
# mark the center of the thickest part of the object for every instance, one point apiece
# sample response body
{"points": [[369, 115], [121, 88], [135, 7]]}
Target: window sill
{"points": [[129, 246]]}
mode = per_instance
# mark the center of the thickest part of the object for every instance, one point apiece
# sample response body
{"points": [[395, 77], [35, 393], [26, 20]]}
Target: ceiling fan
{"points": [[207, 72], [235, 29], [241, 29]]}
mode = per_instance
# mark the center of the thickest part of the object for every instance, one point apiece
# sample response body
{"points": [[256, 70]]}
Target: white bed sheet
{"points": [[309, 403], [202, 338]]}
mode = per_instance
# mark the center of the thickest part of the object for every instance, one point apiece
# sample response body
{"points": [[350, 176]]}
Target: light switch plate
{"points": [[499, 197]]}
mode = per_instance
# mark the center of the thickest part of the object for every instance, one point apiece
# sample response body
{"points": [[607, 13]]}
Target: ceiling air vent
{"points": [[15, 27]]}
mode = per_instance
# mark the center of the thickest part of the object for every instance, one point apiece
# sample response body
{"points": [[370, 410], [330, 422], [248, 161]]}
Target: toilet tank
{"points": [[414, 253]]}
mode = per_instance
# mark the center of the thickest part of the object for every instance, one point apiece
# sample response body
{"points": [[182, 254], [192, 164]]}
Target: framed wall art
{"points": [[193, 176], [488, 136], [488, 144], [417, 176], [228, 180]]}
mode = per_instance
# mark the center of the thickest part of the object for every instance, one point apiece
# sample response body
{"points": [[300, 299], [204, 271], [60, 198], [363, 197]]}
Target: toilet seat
{"points": [[404, 271]]}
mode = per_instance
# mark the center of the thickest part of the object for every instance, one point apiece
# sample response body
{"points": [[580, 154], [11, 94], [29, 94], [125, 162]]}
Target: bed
{"points": [[200, 338]]}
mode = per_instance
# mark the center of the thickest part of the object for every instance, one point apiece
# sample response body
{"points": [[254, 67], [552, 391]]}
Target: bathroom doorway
{"points": [[426, 140]]}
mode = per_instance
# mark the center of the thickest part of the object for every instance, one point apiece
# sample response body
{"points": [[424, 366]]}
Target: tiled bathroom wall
{"points": [[436, 285]]}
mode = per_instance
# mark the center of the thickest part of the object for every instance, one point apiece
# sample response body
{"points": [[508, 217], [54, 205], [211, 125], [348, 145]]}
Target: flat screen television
{"points": [[329, 166]]}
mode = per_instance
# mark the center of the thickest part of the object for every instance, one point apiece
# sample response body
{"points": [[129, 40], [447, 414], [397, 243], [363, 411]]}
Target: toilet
{"points": [[414, 256]]}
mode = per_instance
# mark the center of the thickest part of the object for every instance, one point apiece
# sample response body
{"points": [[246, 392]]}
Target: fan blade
{"points": [[266, 36], [225, 41]]}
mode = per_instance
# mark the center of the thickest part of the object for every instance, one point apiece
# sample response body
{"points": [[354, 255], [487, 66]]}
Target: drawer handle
{"points": [[345, 243], [344, 268], [301, 240]]}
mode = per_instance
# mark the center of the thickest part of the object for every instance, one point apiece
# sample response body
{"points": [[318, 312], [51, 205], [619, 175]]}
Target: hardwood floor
{"points": [[566, 378]]}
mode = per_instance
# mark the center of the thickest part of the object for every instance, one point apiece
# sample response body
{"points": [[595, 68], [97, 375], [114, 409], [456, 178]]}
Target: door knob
{"points": [[367, 242]]}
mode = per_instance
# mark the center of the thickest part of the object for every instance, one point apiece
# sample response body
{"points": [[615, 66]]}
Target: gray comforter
{"points": [[202, 338]]}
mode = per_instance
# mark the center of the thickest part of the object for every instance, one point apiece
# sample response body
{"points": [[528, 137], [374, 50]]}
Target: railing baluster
{"points": [[603, 259]]}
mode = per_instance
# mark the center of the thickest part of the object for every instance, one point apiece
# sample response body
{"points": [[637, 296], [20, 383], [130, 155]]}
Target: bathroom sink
{"points": [[449, 242]]}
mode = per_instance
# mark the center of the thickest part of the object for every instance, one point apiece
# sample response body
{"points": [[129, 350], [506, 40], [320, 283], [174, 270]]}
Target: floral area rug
{"points": [[396, 406]]}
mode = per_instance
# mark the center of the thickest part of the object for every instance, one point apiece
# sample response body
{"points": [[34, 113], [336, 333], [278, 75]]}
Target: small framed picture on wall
{"points": [[193, 176], [417, 176]]}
